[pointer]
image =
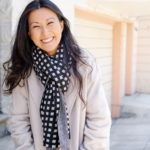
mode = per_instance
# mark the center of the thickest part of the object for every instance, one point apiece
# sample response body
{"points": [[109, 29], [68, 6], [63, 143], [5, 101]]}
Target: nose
{"points": [[45, 31]]}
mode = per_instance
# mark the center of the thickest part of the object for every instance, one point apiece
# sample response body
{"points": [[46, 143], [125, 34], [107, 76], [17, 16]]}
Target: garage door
{"points": [[97, 39]]}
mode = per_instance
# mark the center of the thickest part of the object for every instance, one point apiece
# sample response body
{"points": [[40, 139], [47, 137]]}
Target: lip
{"points": [[48, 40]]}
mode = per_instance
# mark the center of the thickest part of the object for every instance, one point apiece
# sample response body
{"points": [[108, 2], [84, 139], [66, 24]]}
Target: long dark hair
{"points": [[19, 65]]}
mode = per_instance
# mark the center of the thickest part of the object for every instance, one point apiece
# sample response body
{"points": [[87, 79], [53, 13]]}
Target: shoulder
{"points": [[91, 68], [20, 89], [87, 56], [89, 61]]}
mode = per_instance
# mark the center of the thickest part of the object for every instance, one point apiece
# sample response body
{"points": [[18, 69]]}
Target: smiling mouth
{"points": [[48, 40]]}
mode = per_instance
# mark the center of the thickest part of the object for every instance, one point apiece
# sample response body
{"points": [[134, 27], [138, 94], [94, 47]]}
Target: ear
{"points": [[62, 25]]}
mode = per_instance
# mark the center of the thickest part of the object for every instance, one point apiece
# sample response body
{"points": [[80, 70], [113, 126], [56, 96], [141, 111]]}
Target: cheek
{"points": [[59, 32], [34, 36], [58, 29]]}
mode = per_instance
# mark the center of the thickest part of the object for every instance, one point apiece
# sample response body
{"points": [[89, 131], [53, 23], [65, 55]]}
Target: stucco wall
{"points": [[5, 39], [143, 55]]}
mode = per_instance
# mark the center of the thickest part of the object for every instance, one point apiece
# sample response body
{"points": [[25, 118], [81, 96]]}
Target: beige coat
{"points": [[89, 123]]}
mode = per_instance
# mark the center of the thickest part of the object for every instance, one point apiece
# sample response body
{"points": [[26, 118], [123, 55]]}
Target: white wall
{"points": [[134, 59], [124, 34], [143, 55], [67, 7], [17, 8]]}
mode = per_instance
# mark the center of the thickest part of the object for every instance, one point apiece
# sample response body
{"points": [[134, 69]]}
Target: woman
{"points": [[58, 100]]}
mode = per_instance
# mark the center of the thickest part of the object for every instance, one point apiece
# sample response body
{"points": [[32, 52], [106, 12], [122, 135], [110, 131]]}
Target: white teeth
{"points": [[48, 40]]}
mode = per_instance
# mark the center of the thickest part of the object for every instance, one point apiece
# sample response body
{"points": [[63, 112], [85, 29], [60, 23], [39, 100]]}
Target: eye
{"points": [[50, 22], [36, 26]]}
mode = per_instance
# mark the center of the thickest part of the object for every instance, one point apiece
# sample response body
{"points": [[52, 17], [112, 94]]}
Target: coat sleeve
{"points": [[98, 118], [19, 120]]}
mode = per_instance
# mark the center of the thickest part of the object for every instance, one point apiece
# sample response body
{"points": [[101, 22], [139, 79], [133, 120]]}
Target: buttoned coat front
{"points": [[89, 121]]}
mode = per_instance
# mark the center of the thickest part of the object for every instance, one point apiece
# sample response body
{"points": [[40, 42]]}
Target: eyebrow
{"points": [[46, 19], [51, 18]]}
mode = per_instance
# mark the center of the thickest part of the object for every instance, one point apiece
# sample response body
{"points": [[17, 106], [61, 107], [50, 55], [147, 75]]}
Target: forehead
{"points": [[41, 14]]}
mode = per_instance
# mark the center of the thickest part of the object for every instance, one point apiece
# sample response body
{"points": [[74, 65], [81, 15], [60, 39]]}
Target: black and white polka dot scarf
{"points": [[54, 74]]}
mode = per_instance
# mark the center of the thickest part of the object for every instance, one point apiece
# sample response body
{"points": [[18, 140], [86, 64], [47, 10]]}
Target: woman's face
{"points": [[45, 29]]}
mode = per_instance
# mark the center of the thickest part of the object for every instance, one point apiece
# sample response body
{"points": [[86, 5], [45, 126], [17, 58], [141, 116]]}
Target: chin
{"points": [[51, 52]]}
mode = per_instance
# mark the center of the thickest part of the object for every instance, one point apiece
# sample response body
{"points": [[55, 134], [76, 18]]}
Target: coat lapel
{"points": [[36, 89]]}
